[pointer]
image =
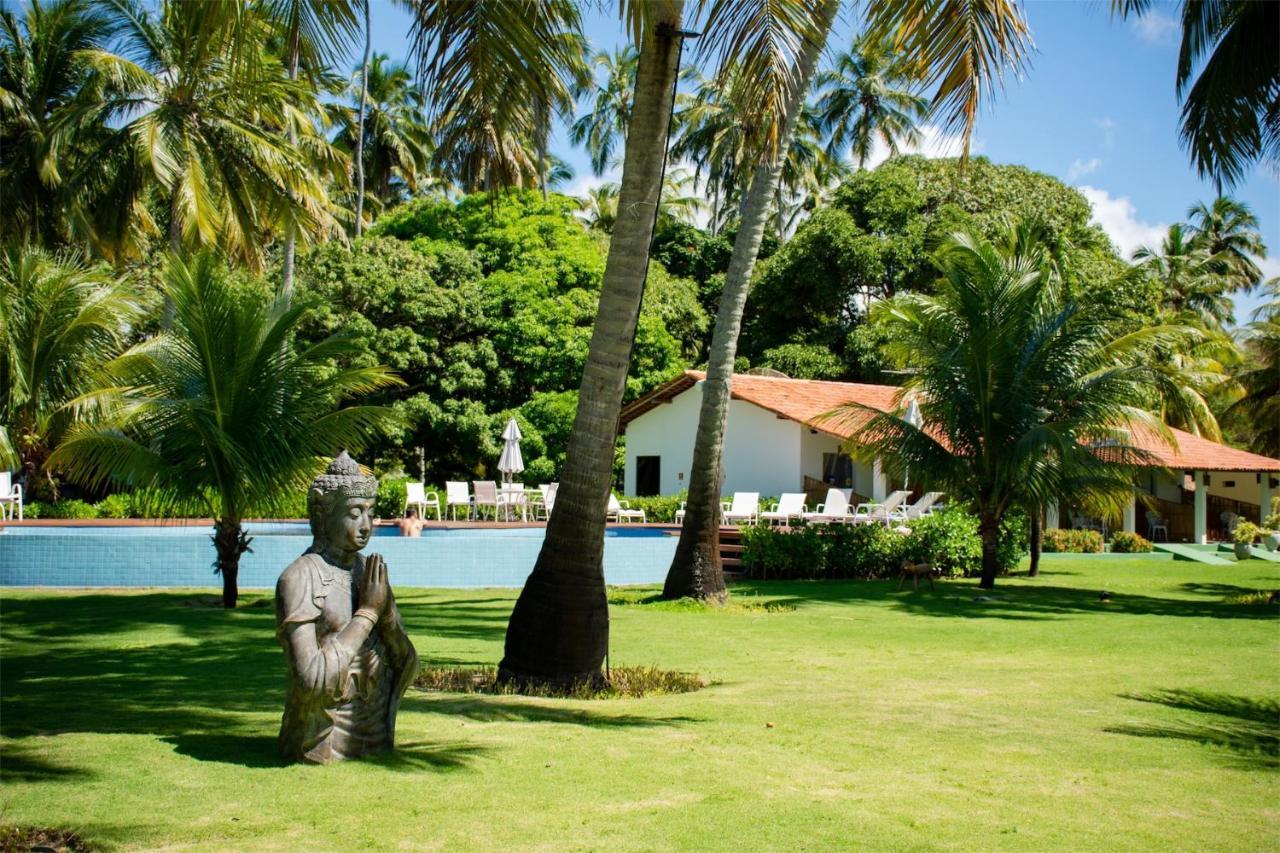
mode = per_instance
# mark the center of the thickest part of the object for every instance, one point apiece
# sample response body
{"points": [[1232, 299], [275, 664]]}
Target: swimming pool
{"points": [[182, 555]]}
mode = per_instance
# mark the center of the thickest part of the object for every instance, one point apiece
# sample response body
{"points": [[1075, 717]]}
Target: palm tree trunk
{"points": [[543, 130], [1037, 541], [559, 630], [989, 531], [364, 94], [290, 228], [229, 541], [175, 246], [695, 569]]}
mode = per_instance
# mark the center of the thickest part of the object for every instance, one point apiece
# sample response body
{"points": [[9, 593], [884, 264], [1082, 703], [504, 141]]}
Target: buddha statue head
{"points": [[340, 506]]}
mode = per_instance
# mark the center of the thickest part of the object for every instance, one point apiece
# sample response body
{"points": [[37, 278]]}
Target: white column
{"points": [[1202, 510], [1264, 496], [1051, 516], [1131, 515], [879, 484]]}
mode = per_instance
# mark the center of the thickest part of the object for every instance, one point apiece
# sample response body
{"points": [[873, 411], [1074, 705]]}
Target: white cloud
{"points": [[587, 180], [1118, 217], [934, 142], [1108, 128], [1155, 27], [1080, 168]]}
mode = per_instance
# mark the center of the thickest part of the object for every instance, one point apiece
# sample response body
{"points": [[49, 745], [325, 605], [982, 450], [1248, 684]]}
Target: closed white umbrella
{"points": [[912, 417], [510, 462]]}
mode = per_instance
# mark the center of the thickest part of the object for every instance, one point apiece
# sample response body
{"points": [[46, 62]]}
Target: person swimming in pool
{"points": [[410, 525]]}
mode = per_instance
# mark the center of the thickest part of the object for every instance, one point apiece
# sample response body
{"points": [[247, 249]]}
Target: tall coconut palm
{"points": [[695, 569], [1228, 229], [960, 48], [1231, 111], [870, 95], [604, 124], [559, 629], [364, 97], [1018, 386], [679, 202], [397, 146], [61, 319], [222, 410], [493, 72], [1192, 280], [45, 61], [315, 34], [199, 119]]}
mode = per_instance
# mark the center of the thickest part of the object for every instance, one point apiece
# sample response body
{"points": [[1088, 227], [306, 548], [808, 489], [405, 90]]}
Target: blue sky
{"points": [[1097, 109]]}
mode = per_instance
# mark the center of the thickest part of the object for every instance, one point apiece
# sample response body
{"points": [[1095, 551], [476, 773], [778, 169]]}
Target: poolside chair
{"points": [[621, 511], [790, 505], [881, 513], [416, 496], [456, 495], [834, 509], [485, 495], [512, 496], [541, 501], [918, 509], [1155, 523], [10, 497], [744, 507]]}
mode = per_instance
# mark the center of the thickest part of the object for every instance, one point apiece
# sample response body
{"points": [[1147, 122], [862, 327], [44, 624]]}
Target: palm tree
{"points": [[397, 146], [364, 97], [960, 47], [695, 568], [1228, 229], [61, 319], [1191, 279], [199, 112], [315, 34], [1257, 412], [221, 410], [870, 94], [494, 71], [605, 124], [1018, 385], [679, 202], [559, 629], [45, 60], [1230, 117]]}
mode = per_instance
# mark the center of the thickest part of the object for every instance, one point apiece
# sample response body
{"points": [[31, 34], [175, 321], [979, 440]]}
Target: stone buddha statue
{"points": [[349, 658]]}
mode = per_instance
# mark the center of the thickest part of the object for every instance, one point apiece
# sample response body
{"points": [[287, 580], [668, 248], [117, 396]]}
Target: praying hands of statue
{"points": [[374, 595]]}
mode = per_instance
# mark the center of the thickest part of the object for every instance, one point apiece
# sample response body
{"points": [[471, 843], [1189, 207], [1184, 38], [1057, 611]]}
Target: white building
{"points": [[777, 441]]}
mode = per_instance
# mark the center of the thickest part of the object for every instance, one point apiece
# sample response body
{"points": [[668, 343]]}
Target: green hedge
{"points": [[949, 540], [1057, 541], [1129, 543]]}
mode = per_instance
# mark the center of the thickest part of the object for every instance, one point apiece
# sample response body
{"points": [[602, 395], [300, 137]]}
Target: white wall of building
{"points": [[666, 431]]}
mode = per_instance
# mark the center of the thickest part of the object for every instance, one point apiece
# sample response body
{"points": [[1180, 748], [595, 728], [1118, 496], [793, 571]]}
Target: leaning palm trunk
{"points": [[364, 95], [229, 542], [695, 569], [290, 228], [559, 630]]}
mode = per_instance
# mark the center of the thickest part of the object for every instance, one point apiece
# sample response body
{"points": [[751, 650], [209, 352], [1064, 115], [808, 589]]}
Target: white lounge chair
{"points": [[416, 496], [745, 507], [920, 508], [835, 508], [881, 513], [543, 503], [512, 497], [456, 494], [621, 511], [10, 497], [790, 505], [485, 495]]}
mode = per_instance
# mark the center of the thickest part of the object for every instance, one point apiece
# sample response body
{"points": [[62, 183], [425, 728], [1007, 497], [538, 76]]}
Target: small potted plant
{"points": [[1244, 535], [1271, 536]]}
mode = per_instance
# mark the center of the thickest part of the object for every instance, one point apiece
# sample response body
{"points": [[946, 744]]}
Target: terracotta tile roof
{"points": [[806, 401]]}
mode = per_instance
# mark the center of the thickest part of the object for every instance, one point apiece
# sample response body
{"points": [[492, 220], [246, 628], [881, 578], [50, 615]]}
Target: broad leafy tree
{"points": [[221, 410]]}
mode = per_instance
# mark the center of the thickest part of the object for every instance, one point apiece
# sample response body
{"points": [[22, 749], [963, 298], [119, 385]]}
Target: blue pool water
{"points": [[183, 555]]}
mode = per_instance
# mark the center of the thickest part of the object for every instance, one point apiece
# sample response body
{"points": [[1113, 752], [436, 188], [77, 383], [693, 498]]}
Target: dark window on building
{"points": [[837, 470], [648, 476]]}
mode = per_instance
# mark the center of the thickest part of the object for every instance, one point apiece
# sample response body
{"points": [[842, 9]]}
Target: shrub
{"points": [[769, 552], [1015, 540], [34, 509], [391, 496], [658, 508], [864, 551], [72, 508], [1072, 541], [1245, 533], [1272, 521], [1124, 542], [114, 506], [949, 541]]}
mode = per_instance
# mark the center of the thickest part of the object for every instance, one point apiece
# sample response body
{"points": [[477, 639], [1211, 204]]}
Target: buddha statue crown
{"points": [[344, 476]]}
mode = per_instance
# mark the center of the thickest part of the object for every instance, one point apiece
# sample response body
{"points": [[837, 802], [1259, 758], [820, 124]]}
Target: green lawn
{"points": [[899, 720]]}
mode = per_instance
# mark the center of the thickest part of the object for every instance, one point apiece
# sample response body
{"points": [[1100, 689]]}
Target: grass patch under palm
{"points": [[624, 682]]}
